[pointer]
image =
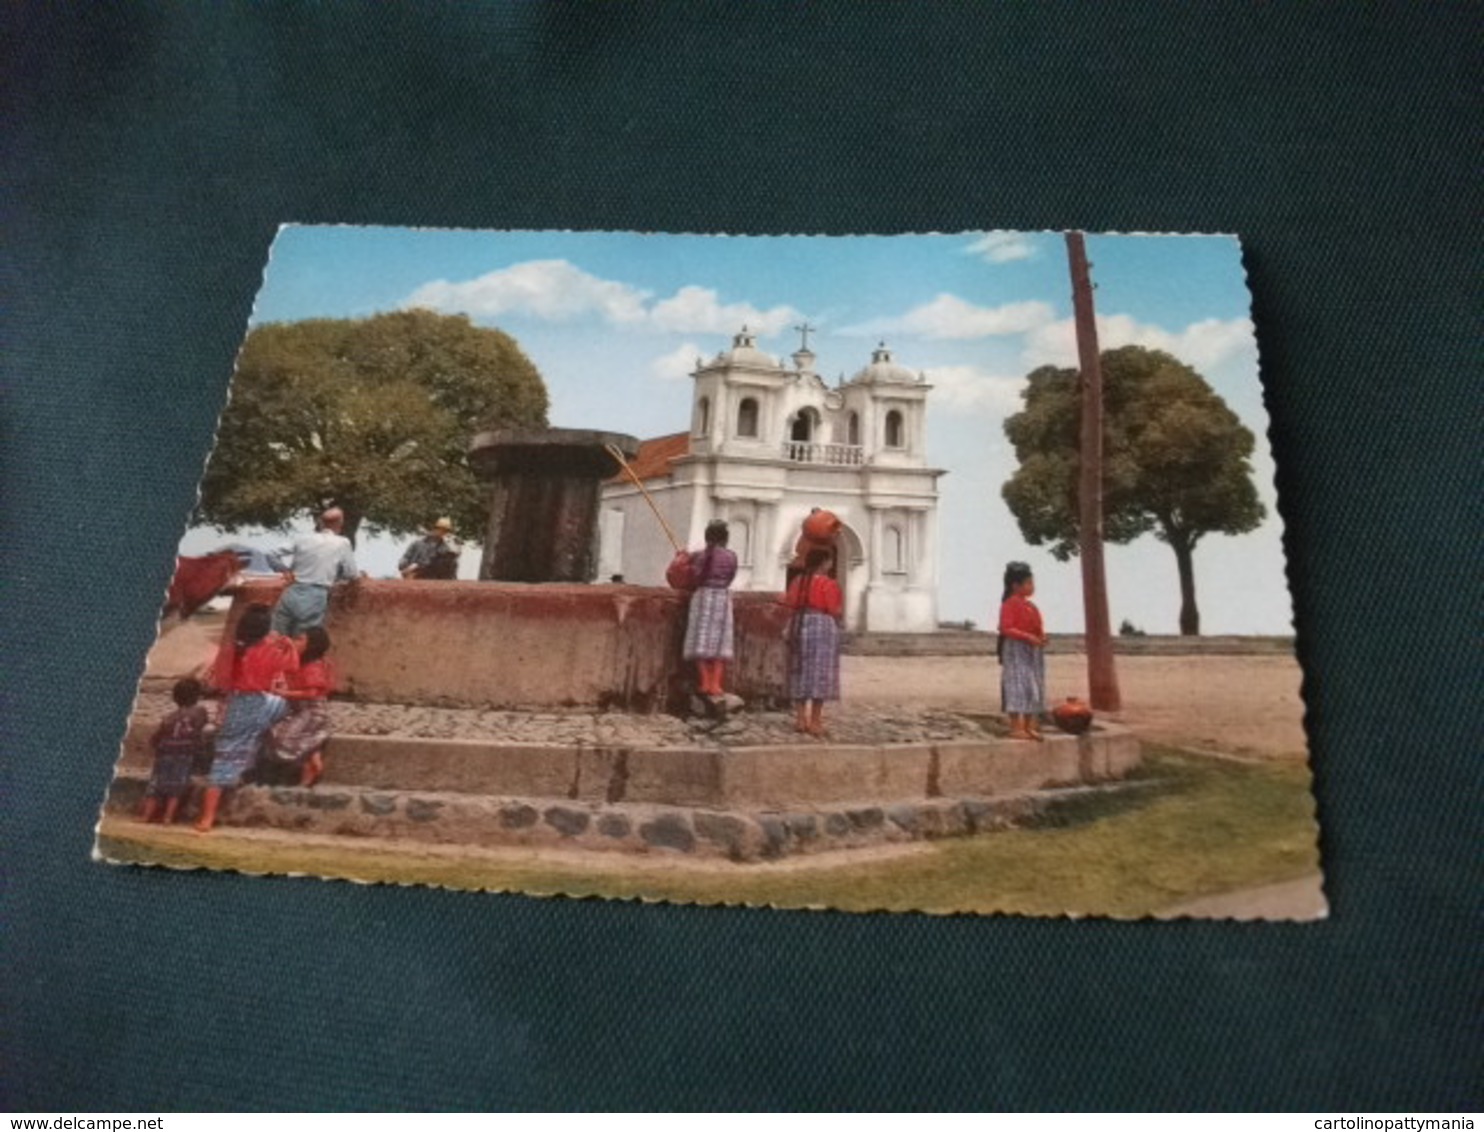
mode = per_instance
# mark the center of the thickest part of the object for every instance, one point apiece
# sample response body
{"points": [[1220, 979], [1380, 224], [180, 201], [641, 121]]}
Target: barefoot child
{"points": [[1022, 653], [177, 742]]}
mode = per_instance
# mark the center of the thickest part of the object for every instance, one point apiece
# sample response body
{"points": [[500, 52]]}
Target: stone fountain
{"points": [[545, 488], [536, 632], [573, 669]]}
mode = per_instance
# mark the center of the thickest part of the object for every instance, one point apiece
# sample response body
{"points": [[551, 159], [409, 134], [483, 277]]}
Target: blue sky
{"points": [[614, 321]]}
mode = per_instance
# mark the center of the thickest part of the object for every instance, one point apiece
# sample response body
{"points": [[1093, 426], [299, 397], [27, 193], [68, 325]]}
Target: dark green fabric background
{"points": [[153, 149]]}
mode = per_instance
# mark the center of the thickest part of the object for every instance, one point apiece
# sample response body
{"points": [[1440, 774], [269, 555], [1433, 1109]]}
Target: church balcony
{"points": [[840, 455]]}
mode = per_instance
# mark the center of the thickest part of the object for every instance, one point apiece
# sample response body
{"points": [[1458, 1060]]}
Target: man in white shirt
{"points": [[315, 563]]}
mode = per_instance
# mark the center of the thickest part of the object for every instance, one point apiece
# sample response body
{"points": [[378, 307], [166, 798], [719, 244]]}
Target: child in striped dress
{"points": [[1021, 649], [298, 740], [177, 742]]}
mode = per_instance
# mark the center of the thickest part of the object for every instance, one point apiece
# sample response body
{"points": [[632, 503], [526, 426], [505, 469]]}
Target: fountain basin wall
{"points": [[507, 645]]}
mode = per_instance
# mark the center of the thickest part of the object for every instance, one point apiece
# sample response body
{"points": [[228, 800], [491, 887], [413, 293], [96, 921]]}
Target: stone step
{"points": [[729, 778], [483, 820]]}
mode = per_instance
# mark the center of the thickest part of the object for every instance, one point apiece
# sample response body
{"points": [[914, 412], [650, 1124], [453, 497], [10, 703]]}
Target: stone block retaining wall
{"points": [[978, 642], [479, 820]]}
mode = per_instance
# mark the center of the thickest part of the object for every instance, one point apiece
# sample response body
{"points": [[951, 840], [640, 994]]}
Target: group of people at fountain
{"points": [[276, 676], [816, 607], [276, 681]]}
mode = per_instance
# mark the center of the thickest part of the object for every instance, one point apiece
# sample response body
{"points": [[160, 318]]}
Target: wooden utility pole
{"points": [[1102, 676]]}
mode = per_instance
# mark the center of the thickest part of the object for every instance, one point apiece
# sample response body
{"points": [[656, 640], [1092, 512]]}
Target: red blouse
{"points": [[1021, 620], [816, 591], [314, 678], [259, 668]]}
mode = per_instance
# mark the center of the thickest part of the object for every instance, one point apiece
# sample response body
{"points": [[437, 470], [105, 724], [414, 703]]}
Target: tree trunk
{"points": [[1190, 616], [353, 518]]}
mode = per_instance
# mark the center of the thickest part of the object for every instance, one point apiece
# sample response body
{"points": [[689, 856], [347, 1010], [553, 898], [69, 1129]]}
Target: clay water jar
{"points": [[1074, 717], [821, 526]]}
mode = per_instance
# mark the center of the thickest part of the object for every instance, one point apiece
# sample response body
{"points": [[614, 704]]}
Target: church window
{"points": [[703, 416], [894, 429], [741, 541], [853, 429], [747, 417], [803, 426], [895, 557]]}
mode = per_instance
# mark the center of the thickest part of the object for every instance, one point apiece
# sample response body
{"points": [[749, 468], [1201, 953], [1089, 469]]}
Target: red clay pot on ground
{"points": [[1074, 717]]}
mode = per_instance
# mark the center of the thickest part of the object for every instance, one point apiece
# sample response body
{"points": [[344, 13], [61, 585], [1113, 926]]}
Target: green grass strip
{"points": [[1210, 826]]}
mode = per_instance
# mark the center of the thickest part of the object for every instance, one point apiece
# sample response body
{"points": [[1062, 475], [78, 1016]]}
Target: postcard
{"points": [[917, 573]]}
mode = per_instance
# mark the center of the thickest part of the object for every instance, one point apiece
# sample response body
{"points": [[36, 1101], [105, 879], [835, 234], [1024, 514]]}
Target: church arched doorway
{"points": [[851, 574]]}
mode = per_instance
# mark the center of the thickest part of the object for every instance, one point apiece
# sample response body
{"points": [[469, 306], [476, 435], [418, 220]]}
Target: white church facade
{"points": [[769, 443]]}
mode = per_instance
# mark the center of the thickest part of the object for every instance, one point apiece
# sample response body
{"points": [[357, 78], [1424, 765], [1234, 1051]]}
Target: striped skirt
{"points": [[708, 629], [171, 776], [1023, 679], [304, 731], [249, 716], [814, 664]]}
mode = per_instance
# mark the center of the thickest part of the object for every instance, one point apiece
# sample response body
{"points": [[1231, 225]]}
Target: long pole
{"points": [[1102, 677], [613, 451]]}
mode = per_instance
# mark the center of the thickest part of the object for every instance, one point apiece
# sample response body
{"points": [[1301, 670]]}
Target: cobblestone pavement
{"points": [[853, 724]]}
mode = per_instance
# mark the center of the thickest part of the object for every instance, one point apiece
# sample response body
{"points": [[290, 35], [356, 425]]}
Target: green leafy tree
{"points": [[371, 415], [1176, 461]]}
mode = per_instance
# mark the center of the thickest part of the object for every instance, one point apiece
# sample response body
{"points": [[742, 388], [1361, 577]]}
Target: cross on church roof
{"points": [[805, 329]]}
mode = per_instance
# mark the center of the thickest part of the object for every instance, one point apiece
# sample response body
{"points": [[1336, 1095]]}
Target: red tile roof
{"points": [[655, 455]]}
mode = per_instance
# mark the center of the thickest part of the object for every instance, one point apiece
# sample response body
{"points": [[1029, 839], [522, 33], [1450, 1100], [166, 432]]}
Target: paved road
{"points": [[1301, 899]]}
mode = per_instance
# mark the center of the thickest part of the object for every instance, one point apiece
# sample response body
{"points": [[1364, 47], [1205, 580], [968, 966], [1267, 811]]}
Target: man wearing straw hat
{"points": [[434, 557]]}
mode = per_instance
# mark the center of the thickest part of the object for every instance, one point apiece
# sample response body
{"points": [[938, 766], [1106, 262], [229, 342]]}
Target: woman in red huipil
{"points": [[1022, 652], [261, 661], [298, 741], [814, 665]]}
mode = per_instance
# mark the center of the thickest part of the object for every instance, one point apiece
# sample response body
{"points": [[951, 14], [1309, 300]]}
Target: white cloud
{"points": [[1001, 247], [550, 289], [948, 316], [971, 389], [678, 363], [558, 291], [699, 310], [1203, 344]]}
